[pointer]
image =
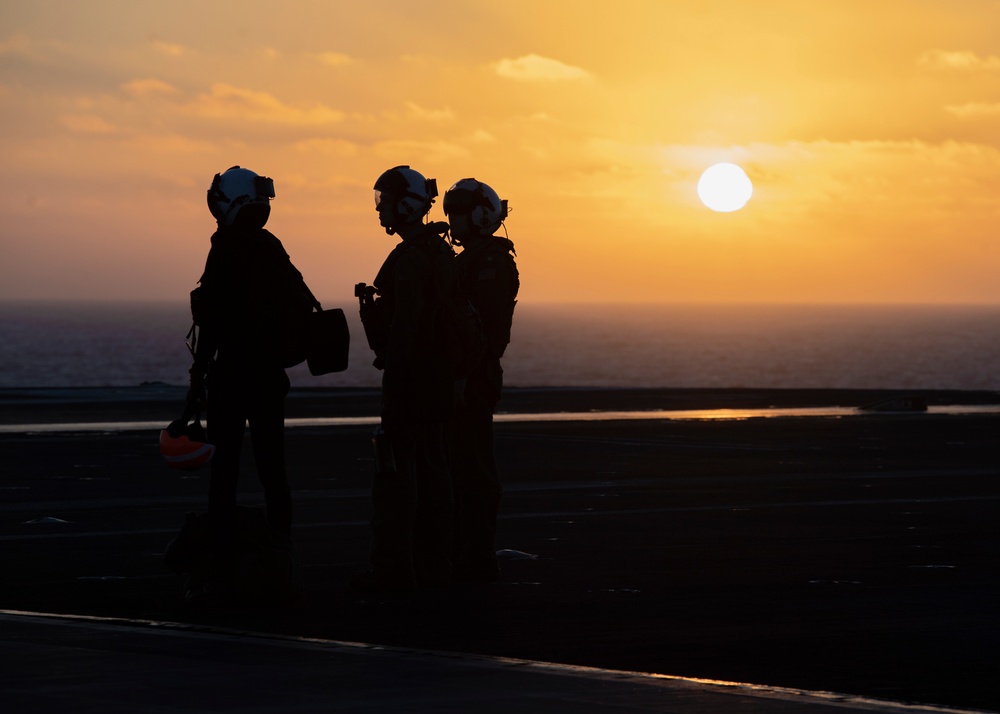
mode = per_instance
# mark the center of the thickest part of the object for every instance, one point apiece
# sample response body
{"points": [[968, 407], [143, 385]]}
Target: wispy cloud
{"points": [[225, 101], [87, 124], [533, 68], [327, 147], [972, 110], [416, 112], [430, 152], [16, 45], [148, 87], [959, 60], [168, 48], [171, 144], [334, 59]]}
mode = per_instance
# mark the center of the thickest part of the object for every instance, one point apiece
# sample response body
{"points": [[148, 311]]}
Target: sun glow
{"points": [[724, 188]]}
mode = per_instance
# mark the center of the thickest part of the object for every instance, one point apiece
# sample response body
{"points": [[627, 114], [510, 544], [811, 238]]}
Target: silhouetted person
{"points": [[488, 278], [412, 504], [241, 309]]}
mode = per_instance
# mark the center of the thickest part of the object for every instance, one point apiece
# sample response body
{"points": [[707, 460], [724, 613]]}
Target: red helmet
{"points": [[183, 445]]}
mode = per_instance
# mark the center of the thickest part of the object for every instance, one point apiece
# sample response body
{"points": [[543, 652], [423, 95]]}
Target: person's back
{"points": [[243, 294], [487, 275]]}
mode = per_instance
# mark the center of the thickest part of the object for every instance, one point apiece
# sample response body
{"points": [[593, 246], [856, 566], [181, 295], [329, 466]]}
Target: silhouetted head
{"points": [[473, 208], [239, 198], [403, 197]]}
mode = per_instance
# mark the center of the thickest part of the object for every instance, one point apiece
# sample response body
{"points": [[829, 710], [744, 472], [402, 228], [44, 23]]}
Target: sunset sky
{"points": [[870, 130]]}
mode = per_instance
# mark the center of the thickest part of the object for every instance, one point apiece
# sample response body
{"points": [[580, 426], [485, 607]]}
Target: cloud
{"points": [[87, 124], [171, 144], [168, 48], [416, 112], [481, 136], [16, 45], [228, 102], [963, 60], [327, 147], [974, 110], [148, 87], [416, 153], [532, 68], [334, 59], [868, 181]]}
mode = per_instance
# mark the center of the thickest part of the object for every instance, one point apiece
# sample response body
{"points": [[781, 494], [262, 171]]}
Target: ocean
{"points": [[92, 344]]}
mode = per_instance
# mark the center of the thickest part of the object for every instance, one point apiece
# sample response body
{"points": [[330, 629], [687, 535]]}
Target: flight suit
{"points": [[239, 309], [488, 277], [412, 507]]}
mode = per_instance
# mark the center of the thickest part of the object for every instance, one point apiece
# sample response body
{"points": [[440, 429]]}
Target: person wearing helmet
{"points": [[488, 278], [412, 505], [245, 295]]}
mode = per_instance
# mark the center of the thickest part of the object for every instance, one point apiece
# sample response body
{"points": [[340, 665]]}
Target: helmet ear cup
{"points": [[412, 194], [409, 207]]}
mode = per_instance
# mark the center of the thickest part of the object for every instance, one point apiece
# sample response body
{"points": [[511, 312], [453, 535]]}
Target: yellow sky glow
{"points": [[869, 131]]}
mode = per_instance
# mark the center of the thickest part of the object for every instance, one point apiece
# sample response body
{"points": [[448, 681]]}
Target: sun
{"points": [[724, 188]]}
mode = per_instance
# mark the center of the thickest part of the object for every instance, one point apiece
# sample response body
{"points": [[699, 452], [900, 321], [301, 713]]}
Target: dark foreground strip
{"points": [[692, 687]]}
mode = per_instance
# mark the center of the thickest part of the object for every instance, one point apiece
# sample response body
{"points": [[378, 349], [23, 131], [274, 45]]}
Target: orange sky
{"points": [[871, 131]]}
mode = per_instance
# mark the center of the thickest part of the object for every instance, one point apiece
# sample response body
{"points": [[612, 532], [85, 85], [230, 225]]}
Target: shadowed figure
{"points": [[488, 278], [411, 491], [248, 298]]}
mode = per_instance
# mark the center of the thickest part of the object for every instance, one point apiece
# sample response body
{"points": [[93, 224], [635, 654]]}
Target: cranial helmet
{"points": [[183, 445], [239, 197], [406, 192], [485, 208]]}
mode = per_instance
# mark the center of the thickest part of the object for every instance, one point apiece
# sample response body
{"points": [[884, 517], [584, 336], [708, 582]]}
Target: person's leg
{"points": [[478, 498], [226, 417], [267, 434], [433, 528], [394, 503]]}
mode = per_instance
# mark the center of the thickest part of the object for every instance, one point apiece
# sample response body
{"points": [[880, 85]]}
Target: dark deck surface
{"points": [[857, 555]]}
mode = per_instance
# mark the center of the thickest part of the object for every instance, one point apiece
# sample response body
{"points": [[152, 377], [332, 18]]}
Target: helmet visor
{"points": [[459, 201], [263, 187]]}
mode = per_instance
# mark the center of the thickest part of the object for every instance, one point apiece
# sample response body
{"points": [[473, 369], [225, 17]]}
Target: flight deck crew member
{"points": [[239, 356], [488, 278], [412, 504]]}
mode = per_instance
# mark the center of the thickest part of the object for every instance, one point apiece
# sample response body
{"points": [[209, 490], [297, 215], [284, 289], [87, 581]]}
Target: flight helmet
{"points": [[183, 445], [485, 208], [403, 196], [239, 197]]}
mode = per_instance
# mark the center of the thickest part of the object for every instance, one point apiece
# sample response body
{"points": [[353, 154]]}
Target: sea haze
{"points": [[90, 344]]}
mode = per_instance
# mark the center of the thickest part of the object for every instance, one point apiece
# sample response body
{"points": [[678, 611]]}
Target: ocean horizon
{"points": [[58, 344]]}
